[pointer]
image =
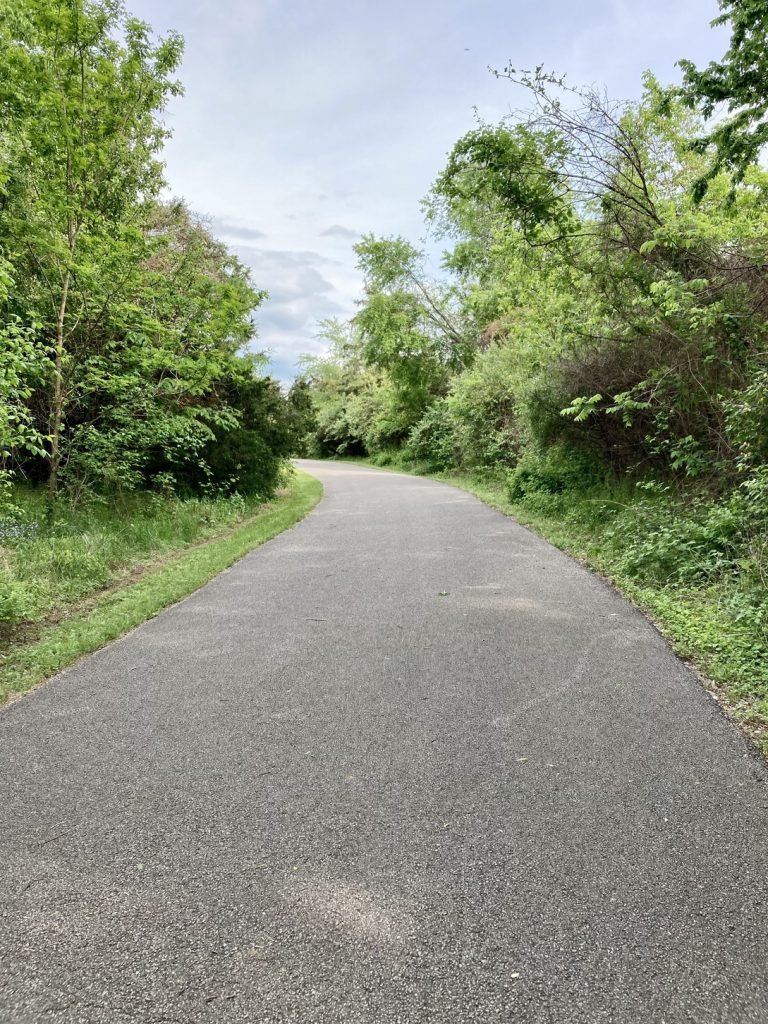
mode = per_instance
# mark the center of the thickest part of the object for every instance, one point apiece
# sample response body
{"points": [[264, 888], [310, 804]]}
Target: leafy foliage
{"points": [[123, 320], [737, 82]]}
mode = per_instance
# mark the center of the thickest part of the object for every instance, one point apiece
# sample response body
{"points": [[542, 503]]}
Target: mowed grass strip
{"points": [[119, 611]]}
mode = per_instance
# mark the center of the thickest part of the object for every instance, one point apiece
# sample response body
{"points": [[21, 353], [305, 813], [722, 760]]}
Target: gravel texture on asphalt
{"points": [[404, 763]]}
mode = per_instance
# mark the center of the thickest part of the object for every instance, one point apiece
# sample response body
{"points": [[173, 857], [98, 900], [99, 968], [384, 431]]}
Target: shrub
{"points": [[554, 471], [432, 440]]}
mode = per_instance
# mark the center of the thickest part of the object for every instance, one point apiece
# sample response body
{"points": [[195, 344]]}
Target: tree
{"points": [[82, 88], [739, 81], [613, 313], [20, 362], [167, 380], [509, 170], [301, 413], [410, 328]]}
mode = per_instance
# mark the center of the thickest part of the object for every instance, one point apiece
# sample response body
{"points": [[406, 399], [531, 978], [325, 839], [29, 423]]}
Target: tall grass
{"points": [[35, 654], [48, 564]]}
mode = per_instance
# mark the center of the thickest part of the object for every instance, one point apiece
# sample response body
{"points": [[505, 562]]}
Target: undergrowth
{"points": [[190, 544], [45, 564]]}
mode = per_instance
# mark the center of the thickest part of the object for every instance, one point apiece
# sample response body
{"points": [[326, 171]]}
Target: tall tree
{"points": [[82, 86], [20, 361], [411, 328]]}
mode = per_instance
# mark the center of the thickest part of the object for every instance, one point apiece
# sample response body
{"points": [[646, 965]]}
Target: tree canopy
{"points": [[125, 322], [736, 82]]}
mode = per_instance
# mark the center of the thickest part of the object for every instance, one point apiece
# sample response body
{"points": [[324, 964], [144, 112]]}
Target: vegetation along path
{"points": [[406, 762]]}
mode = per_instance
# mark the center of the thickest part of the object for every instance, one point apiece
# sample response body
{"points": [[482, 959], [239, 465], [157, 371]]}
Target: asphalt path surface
{"points": [[404, 763]]}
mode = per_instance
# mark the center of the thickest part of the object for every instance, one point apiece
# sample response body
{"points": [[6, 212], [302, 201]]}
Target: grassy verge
{"points": [[34, 651], [668, 558]]}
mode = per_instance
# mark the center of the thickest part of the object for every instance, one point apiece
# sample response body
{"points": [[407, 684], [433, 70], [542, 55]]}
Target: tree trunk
{"points": [[57, 404]]}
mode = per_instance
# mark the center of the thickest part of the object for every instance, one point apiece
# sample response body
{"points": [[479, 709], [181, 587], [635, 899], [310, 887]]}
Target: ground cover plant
{"points": [[47, 565]]}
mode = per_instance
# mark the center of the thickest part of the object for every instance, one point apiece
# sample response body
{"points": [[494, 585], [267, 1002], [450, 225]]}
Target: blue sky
{"points": [[306, 123]]}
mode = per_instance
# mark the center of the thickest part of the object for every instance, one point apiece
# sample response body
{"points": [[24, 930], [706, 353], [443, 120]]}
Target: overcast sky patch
{"points": [[339, 231], [239, 232]]}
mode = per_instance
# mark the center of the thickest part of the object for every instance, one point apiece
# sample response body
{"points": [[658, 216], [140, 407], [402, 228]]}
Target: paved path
{"points": [[404, 763]]}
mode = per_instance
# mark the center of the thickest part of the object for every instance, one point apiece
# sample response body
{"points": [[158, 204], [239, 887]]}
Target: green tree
{"points": [[739, 82], [410, 328], [301, 411], [81, 88], [506, 170], [20, 362], [167, 380]]}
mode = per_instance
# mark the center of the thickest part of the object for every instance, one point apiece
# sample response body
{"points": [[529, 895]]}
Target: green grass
{"points": [[210, 540], [45, 566], [685, 563]]}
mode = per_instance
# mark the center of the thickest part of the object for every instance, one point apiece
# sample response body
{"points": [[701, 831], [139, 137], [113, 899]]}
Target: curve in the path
{"points": [[404, 763]]}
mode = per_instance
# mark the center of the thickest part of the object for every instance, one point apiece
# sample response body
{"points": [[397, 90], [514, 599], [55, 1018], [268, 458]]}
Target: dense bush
{"points": [[553, 471], [432, 440]]}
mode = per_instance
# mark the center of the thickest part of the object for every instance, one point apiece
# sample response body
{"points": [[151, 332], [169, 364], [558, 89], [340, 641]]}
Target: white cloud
{"points": [[304, 286], [339, 231], [234, 232]]}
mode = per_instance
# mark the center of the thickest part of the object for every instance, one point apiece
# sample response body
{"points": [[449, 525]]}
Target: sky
{"points": [[308, 122]]}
